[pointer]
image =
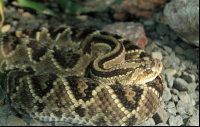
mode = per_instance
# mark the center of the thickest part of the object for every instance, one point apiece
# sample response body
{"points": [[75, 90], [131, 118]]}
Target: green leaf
{"points": [[69, 7], [0, 33], [1, 3], [36, 6], [116, 2]]}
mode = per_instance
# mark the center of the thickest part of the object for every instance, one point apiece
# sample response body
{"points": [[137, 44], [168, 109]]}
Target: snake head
{"points": [[148, 70]]}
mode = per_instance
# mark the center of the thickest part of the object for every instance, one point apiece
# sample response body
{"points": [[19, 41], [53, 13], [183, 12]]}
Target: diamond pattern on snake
{"points": [[79, 76]]}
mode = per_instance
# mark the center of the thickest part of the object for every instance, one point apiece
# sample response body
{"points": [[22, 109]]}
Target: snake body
{"points": [[79, 76]]}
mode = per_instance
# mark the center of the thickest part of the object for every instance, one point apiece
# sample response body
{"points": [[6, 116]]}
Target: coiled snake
{"points": [[79, 76]]}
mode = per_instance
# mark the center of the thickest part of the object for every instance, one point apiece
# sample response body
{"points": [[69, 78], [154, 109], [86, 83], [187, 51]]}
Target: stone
{"points": [[140, 8], [161, 116], [166, 94], [184, 97], [172, 35], [162, 124], [171, 108], [150, 47], [181, 84], [175, 120], [172, 111], [166, 63], [15, 121], [149, 122], [166, 40], [170, 71], [192, 86], [148, 23], [168, 49], [5, 28], [130, 30], [161, 29], [175, 91], [181, 57], [192, 54], [179, 50], [157, 55], [184, 108], [185, 20], [35, 122], [192, 122], [33, 25], [174, 98], [170, 80], [153, 35]]}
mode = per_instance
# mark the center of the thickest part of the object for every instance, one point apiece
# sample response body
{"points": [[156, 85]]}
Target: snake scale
{"points": [[79, 76]]}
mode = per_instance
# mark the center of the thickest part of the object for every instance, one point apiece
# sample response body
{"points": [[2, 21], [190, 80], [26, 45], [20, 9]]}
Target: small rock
{"points": [[148, 22], [181, 57], [5, 28], [166, 63], [193, 102], [15, 121], [168, 49], [172, 111], [162, 124], [157, 55], [150, 47], [173, 35], [82, 17], [14, 23], [149, 122], [175, 121], [163, 52], [181, 84], [170, 104], [170, 80], [184, 97], [184, 108], [161, 116], [166, 40], [179, 50], [194, 96], [171, 108], [188, 77], [175, 91], [192, 122], [192, 53], [174, 98], [166, 94], [161, 29], [172, 53], [35, 122], [193, 87], [170, 71], [182, 67], [32, 25], [3, 120], [153, 35]]}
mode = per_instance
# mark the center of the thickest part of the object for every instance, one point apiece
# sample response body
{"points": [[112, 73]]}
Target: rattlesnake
{"points": [[79, 76]]}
